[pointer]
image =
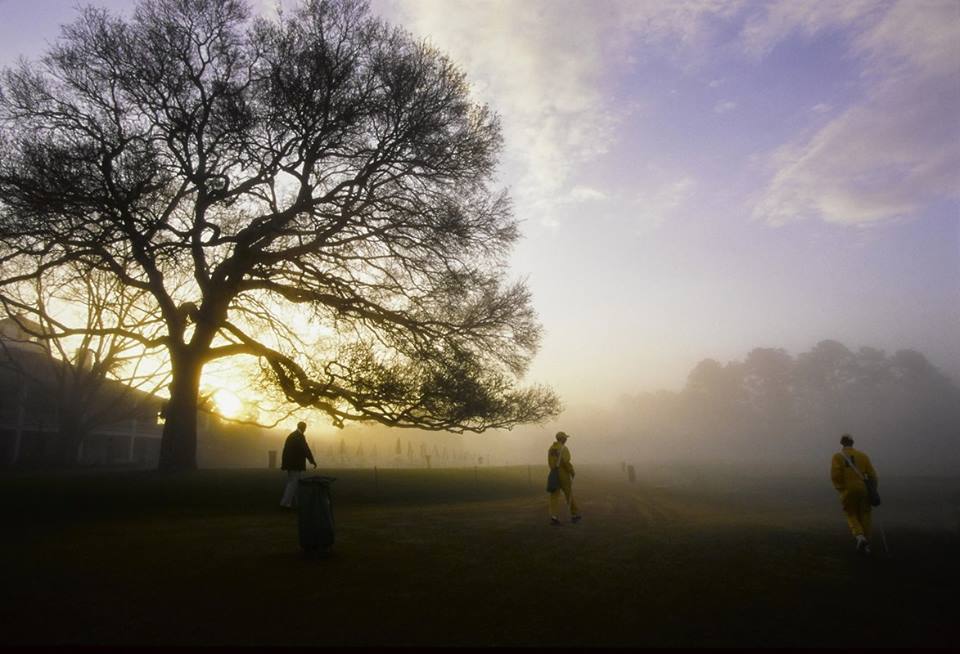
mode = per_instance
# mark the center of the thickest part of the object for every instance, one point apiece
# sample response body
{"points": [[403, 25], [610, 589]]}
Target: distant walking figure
{"points": [[561, 479], [294, 459], [847, 471]]}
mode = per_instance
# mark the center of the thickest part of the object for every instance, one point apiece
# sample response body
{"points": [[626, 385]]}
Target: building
{"points": [[128, 431]]}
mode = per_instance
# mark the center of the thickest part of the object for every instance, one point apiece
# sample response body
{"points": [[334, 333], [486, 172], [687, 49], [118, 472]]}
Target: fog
{"points": [[768, 412], [771, 410]]}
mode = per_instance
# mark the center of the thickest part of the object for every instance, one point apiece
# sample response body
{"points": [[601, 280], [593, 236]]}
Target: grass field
{"points": [[462, 557]]}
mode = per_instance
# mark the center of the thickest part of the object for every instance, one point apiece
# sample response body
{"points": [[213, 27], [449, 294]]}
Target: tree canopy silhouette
{"points": [[313, 190]]}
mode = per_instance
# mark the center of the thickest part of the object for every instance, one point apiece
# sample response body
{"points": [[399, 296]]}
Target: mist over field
{"points": [[768, 412], [771, 411]]}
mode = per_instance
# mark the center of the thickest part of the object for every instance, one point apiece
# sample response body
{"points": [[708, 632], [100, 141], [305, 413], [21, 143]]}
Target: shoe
{"points": [[576, 518], [862, 544], [555, 521]]}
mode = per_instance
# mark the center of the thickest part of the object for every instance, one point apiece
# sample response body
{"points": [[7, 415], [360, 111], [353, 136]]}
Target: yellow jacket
{"points": [[844, 478], [559, 455]]}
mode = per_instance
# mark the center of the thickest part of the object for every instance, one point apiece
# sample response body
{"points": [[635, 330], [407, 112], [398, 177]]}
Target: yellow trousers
{"points": [[856, 506], [567, 490]]}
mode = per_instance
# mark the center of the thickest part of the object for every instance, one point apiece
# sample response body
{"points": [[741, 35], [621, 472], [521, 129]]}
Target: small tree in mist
{"points": [[313, 191]]}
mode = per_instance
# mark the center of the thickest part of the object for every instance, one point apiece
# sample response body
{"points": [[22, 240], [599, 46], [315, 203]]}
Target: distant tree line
{"points": [[772, 405]]}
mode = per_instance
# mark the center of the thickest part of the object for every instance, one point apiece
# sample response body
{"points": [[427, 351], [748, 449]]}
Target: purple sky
{"points": [[697, 178]]}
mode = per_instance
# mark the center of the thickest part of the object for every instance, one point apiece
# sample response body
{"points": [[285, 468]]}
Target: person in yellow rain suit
{"points": [[558, 458], [853, 492]]}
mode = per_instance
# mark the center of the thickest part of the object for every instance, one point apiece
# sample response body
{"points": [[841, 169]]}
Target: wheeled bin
{"points": [[315, 512]]}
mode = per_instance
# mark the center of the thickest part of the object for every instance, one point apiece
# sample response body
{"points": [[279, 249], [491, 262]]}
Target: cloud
{"points": [[782, 18], [658, 203], [539, 66], [896, 150], [586, 194], [547, 66], [553, 69], [724, 106]]}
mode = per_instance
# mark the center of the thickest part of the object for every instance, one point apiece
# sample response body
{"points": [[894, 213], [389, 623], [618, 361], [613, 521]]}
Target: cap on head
{"points": [[301, 425], [846, 440], [562, 436]]}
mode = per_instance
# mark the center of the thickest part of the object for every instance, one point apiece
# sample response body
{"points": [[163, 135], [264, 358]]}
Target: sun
{"points": [[228, 404]]}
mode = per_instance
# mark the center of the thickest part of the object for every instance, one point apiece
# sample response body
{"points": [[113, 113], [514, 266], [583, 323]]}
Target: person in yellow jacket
{"points": [[558, 457], [853, 492]]}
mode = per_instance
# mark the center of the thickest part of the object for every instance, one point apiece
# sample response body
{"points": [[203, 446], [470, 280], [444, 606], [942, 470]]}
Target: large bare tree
{"points": [[234, 167]]}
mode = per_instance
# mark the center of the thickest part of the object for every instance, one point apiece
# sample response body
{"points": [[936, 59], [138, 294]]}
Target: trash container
{"points": [[315, 512]]}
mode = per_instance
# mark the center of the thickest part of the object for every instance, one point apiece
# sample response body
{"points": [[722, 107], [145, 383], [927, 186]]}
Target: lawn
{"points": [[466, 557]]}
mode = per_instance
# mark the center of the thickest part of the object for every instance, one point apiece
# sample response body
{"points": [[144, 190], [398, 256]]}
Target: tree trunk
{"points": [[178, 445], [71, 428], [67, 445]]}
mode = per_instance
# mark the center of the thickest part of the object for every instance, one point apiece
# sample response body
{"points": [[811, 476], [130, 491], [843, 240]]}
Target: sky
{"points": [[696, 178]]}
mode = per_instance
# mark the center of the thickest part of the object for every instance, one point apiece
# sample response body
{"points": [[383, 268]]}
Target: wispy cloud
{"points": [[540, 66], [587, 194], [550, 69], [780, 19], [546, 67], [898, 148], [659, 202], [724, 106]]}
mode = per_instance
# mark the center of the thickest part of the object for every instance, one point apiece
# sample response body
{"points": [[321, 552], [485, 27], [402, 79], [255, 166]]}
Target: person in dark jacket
{"points": [[294, 459]]}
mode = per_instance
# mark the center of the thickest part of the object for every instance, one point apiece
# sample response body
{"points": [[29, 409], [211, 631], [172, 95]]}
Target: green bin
{"points": [[315, 512]]}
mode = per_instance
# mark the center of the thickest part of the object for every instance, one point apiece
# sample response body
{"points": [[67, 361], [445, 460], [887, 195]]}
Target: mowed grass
{"points": [[466, 557]]}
